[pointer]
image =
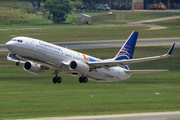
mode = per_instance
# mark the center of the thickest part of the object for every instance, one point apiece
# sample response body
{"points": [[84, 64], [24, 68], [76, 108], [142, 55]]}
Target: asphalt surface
{"points": [[119, 43], [156, 20], [136, 116]]}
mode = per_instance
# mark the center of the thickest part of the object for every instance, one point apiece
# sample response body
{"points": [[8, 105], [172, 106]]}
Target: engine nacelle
{"points": [[79, 66], [33, 68]]}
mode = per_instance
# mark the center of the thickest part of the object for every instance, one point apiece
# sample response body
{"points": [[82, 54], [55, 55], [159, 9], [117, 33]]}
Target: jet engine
{"points": [[79, 66], [32, 68]]}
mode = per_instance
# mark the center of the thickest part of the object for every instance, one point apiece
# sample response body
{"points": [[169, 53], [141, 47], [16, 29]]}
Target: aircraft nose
{"points": [[9, 44]]}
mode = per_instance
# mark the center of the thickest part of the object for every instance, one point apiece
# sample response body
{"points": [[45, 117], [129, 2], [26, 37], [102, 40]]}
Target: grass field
{"points": [[89, 33], [12, 12], [24, 95], [70, 33]]}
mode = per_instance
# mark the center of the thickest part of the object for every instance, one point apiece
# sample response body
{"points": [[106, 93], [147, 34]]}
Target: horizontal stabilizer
{"points": [[143, 71]]}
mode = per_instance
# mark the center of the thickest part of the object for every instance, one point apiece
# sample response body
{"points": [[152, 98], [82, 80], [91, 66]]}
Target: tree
{"points": [[78, 4], [58, 9], [36, 3], [88, 1]]}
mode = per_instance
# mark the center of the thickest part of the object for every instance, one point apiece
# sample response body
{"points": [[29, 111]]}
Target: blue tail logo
{"points": [[127, 50]]}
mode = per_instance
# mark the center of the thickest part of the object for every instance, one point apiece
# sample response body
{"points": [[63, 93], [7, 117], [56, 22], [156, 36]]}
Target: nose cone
{"points": [[10, 45]]}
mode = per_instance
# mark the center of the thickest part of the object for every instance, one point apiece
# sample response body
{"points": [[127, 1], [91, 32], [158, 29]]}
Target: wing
{"points": [[113, 63], [16, 59]]}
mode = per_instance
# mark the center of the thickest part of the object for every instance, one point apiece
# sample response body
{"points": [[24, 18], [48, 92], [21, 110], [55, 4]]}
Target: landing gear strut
{"points": [[57, 79], [83, 79]]}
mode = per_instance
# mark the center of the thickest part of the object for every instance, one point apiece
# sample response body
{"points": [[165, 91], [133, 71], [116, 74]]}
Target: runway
{"points": [[136, 116], [113, 43], [119, 43]]}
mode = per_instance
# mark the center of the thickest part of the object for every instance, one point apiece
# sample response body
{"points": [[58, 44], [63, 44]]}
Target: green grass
{"points": [[123, 17], [24, 95], [64, 33], [12, 12], [68, 34], [14, 4], [11, 16], [72, 33], [172, 25], [138, 16]]}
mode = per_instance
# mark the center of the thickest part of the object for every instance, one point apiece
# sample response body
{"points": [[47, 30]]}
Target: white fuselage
{"points": [[58, 58]]}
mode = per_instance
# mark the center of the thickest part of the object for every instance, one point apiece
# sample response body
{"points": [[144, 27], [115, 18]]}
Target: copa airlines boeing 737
{"points": [[39, 56]]}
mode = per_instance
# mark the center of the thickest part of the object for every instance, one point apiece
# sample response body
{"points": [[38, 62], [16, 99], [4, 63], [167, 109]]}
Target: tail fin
{"points": [[127, 50]]}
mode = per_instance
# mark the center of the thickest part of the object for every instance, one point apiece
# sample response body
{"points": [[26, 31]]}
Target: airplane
{"points": [[37, 56]]}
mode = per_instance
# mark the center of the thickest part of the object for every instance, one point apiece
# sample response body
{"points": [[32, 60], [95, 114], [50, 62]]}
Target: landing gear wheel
{"points": [[54, 80], [83, 79], [59, 80], [18, 64], [80, 79]]}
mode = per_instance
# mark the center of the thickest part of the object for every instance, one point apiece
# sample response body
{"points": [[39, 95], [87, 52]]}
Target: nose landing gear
{"points": [[18, 64]]}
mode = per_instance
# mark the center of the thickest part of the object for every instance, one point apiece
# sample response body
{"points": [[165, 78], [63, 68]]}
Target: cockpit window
{"points": [[14, 39], [20, 41]]}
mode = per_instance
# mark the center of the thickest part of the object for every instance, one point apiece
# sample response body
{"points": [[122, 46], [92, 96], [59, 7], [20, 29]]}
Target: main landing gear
{"points": [[83, 79], [57, 79]]}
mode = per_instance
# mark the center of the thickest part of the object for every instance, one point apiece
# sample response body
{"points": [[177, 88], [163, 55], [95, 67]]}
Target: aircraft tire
{"points": [[18, 64], [85, 79], [80, 79], [59, 80], [54, 80]]}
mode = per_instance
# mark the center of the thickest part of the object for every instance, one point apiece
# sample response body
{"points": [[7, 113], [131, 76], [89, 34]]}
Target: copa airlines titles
{"points": [[49, 46]]}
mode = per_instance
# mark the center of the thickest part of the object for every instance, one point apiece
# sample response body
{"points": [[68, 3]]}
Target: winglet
{"points": [[171, 49]]}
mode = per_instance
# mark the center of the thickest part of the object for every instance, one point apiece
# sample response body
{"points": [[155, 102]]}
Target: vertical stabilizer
{"points": [[127, 50]]}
